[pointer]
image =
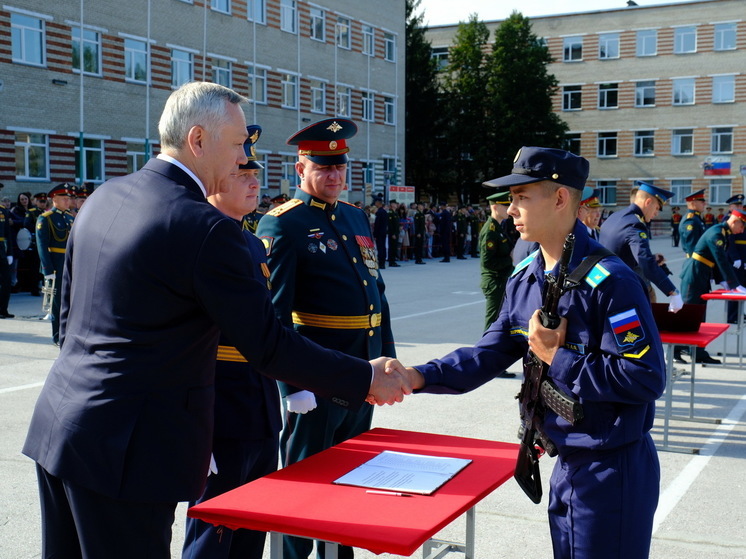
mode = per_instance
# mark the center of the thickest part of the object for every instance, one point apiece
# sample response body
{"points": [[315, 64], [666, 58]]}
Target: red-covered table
{"points": [[722, 295], [301, 499], [707, 334]]}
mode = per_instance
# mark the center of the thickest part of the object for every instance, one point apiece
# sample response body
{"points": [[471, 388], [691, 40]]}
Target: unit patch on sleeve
{"points": [[627, 328]]}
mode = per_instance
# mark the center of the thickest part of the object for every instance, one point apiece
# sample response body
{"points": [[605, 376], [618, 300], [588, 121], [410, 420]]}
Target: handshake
{"points": [[391, 382]]}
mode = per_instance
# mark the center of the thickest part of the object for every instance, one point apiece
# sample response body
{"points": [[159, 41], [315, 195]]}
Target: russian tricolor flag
{"points": [[624, 321], [719, 168]]}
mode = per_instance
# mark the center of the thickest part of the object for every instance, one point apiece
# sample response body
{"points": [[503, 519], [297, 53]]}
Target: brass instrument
{"points": [[48, 291]]}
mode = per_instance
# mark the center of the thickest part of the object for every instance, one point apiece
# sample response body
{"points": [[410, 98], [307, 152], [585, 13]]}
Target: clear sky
{"points": [[441, 12]]}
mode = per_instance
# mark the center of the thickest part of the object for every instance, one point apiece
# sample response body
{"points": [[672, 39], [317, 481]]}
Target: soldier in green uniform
{"points": [[495, 261], [692, 227], [473, 218], [325, 284], [462, 227], [392, 231], [52, 231], [419, 234]]}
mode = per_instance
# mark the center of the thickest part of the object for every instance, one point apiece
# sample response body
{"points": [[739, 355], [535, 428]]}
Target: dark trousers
{"points": [[419, 243], [4, 280], [381, 250], [238, 462], [393, 247], [307, 434], [54, 316], [78, 523]]}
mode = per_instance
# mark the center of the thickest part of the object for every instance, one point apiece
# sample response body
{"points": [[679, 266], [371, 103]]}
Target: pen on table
{"points": [[392, 493]]}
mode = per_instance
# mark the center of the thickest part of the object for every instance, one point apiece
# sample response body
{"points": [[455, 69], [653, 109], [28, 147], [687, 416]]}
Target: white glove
{"points": [[10, 260], [724, 285], [48, 276], [300, 402], [676, 302], [213, 466], [737, 264], [740, 289]]}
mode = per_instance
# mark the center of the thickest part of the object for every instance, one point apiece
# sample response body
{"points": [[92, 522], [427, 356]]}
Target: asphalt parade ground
{"points": [[436, 308]]}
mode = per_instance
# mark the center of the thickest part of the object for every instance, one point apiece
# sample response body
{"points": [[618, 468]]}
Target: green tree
{"points": [[467, 106], [521, 89], [423, 112]]}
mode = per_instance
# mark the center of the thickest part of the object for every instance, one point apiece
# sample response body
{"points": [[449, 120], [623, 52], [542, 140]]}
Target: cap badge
{"points": [[254, 137], [555, 176], [332, 145], [334, 127]]}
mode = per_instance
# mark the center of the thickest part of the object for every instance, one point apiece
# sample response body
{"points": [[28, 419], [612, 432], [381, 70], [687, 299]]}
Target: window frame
{"points": [[720, 87], [389, 47], [89, 151], [317, 16], [682, 36], [720, 135], [716, 186], [679, 85], [24, 32], [389, 110], [222, 67], [572, 95], [254, 8], [607, 40], [605, 93], [318, 94], [605, 188], [569, 46], [681, 189], [27, 147], [257, 75], [130, 55], [605, 141], [343, 32], [641, 87], [573, 142], [642, 40], [179, 64], [720, 35], [220, 9], [368, 101], [642, 137], [289, 16], [369, 40], [343, 94], [84, 45], [289, 84], [677, 135]]}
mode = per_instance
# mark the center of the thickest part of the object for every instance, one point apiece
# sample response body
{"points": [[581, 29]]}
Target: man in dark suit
{"points": [[380, 228], [122, 429]]}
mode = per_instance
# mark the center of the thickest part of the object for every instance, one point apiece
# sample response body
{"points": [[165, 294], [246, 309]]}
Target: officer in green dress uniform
{"points": [[737, 254], [52, 231], [419, 234], [692, 227], [462, 226], [392, 231], [495, 261], [325, 284]]}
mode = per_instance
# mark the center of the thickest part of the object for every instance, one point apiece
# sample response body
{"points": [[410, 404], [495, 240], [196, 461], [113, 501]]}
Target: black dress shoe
{"points": [[678, 358], [394, 265], [708, 360], [506, 374], [7, 315]]}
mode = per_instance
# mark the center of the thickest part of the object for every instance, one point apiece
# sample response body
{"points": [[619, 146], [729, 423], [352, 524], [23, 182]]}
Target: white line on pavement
{"points": [[21, 387], [678, 488], [437, 310]]}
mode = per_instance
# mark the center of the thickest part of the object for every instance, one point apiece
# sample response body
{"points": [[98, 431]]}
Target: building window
{"points": [[645, 94], [93, 160], [258, 85], [222, 72], [318, 96], [722, 140], [182, 67], [135, 61], [389, 110], [720, 190], [723, 89], [91, 51], [608, 46], [261, 158], [288, 169], [223, 6], [389, 170], [682, 142], [608, 96], [725, 36], [607, 144], [572, 142], [256, 11], [644, 143], [368, 106], [572, 98], [289, 91], [27, 35], [607, 192], [389, 43], [343, 100], [647, 42], [572, 50], [136, 156], [681, 188], [32, 156], [440, 54], [685, 40], [318, 24], [368, 41], [683, 91], [343, 32], [288, 16], [369, 172]]}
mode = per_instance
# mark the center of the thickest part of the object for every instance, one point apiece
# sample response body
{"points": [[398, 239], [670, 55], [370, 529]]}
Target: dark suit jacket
{"points": [[152, 273]]}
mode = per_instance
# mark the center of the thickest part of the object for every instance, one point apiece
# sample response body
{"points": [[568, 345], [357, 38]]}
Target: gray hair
{"points": [[202, 104]]}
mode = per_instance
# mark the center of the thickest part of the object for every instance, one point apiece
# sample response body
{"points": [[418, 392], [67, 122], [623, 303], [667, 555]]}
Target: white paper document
{"points": [[401, 471]]}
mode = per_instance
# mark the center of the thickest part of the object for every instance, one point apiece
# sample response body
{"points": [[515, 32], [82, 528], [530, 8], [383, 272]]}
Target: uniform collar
{"points": [[314, 202], [579, 251]]}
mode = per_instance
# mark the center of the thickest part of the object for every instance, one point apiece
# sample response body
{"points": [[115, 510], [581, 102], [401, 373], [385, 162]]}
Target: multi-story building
{"points": [[653, 93], [297, 61]]}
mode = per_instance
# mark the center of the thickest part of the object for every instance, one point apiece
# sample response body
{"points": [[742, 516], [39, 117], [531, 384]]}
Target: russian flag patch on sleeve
{"points": [[627, 328]]}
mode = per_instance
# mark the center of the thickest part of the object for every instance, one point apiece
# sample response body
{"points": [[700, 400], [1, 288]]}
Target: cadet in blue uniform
{"points": [[326, 283], [737, 254], [52, 232], [692, 227], [709, 253], [626, 234], [494, 252], [606, 352], [247, 404]]}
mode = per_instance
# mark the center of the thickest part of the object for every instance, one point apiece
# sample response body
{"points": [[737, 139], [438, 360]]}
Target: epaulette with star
{"points": [[286, 207]]}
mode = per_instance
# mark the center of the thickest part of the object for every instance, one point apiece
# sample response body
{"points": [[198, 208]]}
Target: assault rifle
{"points": [[538, 392]]}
